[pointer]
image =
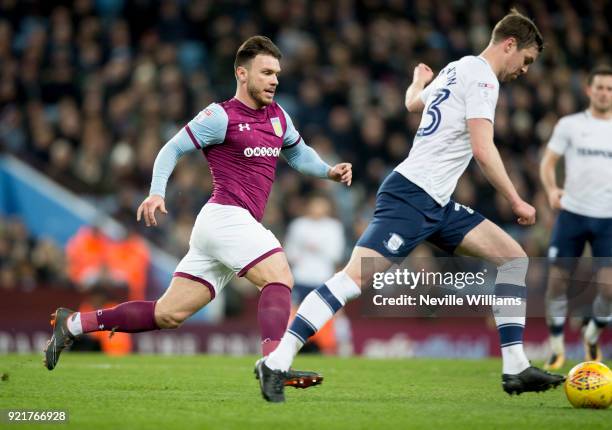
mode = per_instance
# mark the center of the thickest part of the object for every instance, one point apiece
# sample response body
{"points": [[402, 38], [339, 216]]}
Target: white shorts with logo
{"points": [[225, 241]]}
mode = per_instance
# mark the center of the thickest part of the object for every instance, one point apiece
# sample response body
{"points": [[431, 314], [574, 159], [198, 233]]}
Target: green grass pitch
{"points": [[216, 392]]}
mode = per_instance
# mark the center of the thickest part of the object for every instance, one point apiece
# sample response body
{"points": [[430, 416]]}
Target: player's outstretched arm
{"points": [[422, 76], [162, 169], [548, 178], [490, 162], [305, 160]]}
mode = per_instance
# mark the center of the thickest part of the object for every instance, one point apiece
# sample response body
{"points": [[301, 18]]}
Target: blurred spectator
{"points": [[27, 263], [315, 247], [86, 253], [93, 257]]}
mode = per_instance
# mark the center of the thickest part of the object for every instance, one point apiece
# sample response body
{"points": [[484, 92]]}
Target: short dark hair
{"points": [[521, 28], [254, 46], [598, 71]]}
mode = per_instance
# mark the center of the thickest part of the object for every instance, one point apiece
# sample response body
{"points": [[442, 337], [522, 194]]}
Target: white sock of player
{"points": [[557, 344], [74, 324], [592, 332], [602, 315], [510, 320], [317, 308], [556, 309]]}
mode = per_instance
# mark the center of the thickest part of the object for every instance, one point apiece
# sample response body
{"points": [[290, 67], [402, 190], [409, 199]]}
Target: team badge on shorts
{"points": [[394, 243], [276, 125]]}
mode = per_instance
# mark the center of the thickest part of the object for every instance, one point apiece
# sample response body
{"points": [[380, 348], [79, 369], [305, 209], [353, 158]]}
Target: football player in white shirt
{"points": [[585, 211], [413, 203], [315, 247]]}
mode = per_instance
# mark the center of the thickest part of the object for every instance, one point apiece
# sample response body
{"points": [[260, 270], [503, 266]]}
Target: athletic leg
{"points": [[567, 243], [602, 315], [182, 299], [196, 280], [556, 313], [315, 311], [273, 278], [491, 243], [396, 229], [320, 305], [602, 304]]}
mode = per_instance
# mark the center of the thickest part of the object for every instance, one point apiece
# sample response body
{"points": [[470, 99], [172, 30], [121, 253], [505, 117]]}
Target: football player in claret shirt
{"points": [[242, 139]]}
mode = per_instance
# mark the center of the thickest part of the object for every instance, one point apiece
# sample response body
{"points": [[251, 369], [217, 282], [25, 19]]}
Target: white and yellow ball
{"points": [[589, 385]]}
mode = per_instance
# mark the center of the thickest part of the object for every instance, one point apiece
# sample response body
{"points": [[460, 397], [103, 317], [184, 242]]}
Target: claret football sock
{"points": [[273, 314], [510, 320], [317, 308], [129, 317]]}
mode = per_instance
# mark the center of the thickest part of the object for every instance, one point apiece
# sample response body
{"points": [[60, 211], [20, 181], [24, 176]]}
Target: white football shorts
{"points": [[225, 241]]}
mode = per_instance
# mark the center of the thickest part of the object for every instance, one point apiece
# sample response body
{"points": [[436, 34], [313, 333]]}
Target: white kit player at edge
{"points": [[585, 214], [413, 204]]}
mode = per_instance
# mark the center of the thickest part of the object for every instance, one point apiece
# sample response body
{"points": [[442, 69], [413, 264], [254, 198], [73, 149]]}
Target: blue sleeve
{"points": [[291, 136], [208, 127], [180, 144], [305, 160]]}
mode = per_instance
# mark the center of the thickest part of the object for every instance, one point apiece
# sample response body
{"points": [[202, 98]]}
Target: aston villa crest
{"points": [[276, 125]]}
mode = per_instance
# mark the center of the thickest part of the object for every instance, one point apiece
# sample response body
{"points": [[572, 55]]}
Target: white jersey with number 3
{"points": [[441, 151]]}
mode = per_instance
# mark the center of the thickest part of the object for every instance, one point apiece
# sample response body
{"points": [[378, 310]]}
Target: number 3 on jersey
{"points": [[433, 111]]}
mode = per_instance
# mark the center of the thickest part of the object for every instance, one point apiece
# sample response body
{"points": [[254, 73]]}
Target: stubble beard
{"points": [[602, 108], [256, 95]]}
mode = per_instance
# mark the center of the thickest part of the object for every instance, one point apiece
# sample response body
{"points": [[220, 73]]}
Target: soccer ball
{"points": [[589, 385]]}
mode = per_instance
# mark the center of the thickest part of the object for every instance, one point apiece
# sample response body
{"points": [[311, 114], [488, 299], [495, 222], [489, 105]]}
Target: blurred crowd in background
{"points": [[90, 90], [26, 262]]}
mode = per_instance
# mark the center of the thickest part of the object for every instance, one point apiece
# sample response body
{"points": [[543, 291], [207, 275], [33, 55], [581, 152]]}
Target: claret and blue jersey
{"points": [[242, 146]]}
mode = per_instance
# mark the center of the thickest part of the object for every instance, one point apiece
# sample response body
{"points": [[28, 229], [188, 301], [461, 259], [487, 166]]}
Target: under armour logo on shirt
{"points": [[243, 127]]}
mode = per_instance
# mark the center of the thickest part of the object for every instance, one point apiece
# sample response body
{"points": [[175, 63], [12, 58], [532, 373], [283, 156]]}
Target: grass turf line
{"points": [[218, 392]]}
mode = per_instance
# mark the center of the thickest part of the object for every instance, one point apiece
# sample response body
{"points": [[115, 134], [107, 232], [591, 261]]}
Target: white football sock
{"points": [[557, 344], [592, 332], [74, 324], [317, 308], [514, 359], [510, 320]]}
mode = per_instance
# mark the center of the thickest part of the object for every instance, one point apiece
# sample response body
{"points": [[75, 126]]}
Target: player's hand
{"points": [[148, 207], [423, 73], [525, 212], [342, 172], [554, 198]]}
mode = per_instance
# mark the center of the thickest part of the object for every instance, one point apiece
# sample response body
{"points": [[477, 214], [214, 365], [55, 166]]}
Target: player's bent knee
{"points": [[513, 271], [514, 252], [278, 276], [286, 278]]}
